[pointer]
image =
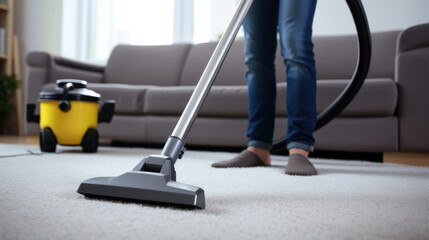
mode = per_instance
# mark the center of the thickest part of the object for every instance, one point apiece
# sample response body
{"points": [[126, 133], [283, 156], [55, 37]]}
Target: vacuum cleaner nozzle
{"points": [[152, 180]]}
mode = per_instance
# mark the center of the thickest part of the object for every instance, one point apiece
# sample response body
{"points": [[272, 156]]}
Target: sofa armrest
{"points": [[38, 74], [73, 64], [62, 68], [412, 76], [46, 68], [414, 38]]}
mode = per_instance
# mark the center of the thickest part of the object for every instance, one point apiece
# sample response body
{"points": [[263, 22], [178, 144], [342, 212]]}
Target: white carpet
{"points": [[348, 200]]}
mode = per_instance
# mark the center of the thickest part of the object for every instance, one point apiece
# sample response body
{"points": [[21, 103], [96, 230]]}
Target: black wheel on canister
{"points": [[90, 141], [48, 141]]}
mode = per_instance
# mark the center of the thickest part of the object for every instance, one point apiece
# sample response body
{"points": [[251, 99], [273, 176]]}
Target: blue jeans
{"points": [[293, 20]]}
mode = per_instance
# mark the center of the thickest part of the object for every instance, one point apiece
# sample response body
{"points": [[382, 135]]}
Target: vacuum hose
{"points": [[361, 71]]}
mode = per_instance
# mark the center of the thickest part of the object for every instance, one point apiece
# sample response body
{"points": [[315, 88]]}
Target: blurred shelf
{"points": [[6, 23], [13, 139], [4, 7]]}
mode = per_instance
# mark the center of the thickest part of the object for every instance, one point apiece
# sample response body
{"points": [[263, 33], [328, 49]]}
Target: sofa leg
{"points": [[415, 159]]}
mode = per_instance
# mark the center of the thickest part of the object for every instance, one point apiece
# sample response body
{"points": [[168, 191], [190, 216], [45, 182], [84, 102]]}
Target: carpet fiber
{"points": [[348, 200]]}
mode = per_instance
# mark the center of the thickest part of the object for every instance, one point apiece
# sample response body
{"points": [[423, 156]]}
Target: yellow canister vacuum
{"points": [[69, 115]]}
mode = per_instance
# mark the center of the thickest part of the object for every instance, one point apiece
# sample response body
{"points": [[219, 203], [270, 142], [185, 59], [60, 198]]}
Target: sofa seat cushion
{"points": [[377, 97], [129, 98], [222, 101]]}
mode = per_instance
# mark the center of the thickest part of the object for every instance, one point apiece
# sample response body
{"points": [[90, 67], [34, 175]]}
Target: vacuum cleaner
{"points": [[153, 180], [69, 116]]}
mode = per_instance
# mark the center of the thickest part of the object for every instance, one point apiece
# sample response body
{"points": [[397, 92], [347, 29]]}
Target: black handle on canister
{"points": [[64, 105], [31, 117], [107, 111]]}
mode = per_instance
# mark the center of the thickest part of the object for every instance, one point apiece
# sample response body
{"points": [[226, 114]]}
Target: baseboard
{"points": [[415, 159]]}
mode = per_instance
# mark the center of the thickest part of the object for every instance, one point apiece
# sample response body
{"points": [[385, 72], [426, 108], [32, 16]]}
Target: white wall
{"points": [[333, 17], [221, 13], [38, 24], [38, 27]]}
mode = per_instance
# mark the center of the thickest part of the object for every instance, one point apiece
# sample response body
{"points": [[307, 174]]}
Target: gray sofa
{"points": [[151, 86]]}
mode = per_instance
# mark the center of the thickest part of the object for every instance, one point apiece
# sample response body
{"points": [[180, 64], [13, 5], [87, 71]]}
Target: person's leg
{"points": [[295, 29], [260, 28]]}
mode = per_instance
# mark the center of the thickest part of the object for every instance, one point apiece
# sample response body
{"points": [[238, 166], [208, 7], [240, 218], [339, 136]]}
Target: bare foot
{"points": [[298, 151], [263, 154]]}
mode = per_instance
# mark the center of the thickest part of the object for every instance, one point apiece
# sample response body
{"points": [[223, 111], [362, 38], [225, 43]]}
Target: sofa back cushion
{"points": [[146, 65], [232, 71], [336, 56]]}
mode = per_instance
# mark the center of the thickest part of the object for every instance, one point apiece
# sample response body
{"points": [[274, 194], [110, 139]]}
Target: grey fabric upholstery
{"points": [[412, 76], [66, 68], [377, 98], [232, 71], [414, 38], [172, 101], [148, 65], [372, 134], [129, 98], [152, 84]]}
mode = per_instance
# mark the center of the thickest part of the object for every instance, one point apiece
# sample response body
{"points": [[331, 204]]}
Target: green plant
{"points": [[238, 37], [8, 85]]}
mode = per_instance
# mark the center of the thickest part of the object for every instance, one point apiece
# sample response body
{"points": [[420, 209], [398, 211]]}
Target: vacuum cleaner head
{"points": [[152, 180]]}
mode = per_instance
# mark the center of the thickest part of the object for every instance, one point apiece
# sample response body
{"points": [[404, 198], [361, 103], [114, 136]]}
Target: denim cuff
{"points": [[300, 145], [258, 144]]}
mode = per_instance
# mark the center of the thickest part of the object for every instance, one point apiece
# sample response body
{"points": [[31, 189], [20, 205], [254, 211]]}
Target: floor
{"points": [[348, 200], [415, 159]]}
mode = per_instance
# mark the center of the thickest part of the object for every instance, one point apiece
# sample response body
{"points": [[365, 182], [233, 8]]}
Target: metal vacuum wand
{"points": [[174, 147], [207, 78], [154, 178]]}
